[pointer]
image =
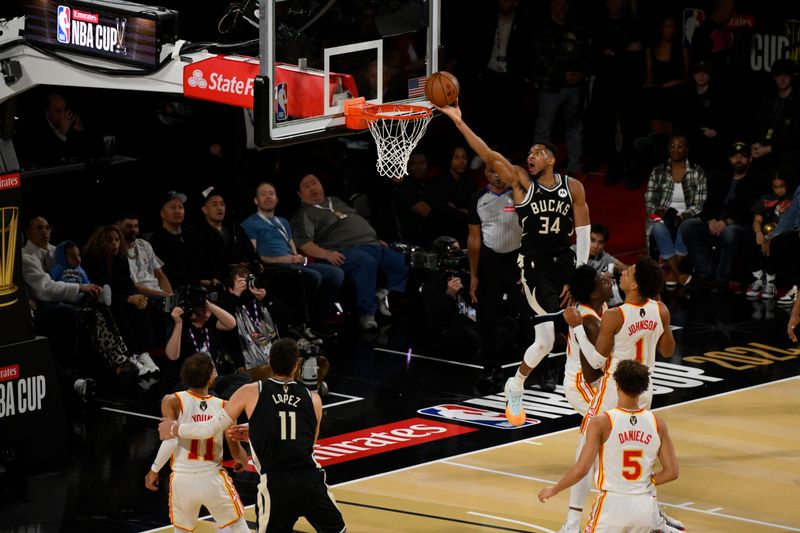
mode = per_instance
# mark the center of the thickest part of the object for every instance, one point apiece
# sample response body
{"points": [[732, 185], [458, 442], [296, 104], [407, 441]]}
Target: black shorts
{"points": [[295, 493], [543, 279]]}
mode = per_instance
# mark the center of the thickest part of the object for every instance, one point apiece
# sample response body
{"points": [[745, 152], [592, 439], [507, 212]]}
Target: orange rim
{"points": [[387, 112]]}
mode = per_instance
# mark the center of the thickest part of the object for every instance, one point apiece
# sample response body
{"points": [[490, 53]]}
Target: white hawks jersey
{"points": [[193, 455], [627, 458], [573, 373], [637, 339]]}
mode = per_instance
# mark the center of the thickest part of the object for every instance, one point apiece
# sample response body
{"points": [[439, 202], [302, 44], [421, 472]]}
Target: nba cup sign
{"points": [[222, 79], [84, 29]]}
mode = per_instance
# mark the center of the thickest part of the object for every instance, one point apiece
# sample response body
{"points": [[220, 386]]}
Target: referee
{"points": [[493, 245]]}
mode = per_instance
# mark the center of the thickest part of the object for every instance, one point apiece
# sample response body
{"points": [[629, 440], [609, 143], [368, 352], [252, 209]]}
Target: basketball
{"points": [[441, 89]]}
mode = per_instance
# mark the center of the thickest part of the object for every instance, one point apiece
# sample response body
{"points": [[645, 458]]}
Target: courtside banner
{"points": [[222, 79], [381, 439]]}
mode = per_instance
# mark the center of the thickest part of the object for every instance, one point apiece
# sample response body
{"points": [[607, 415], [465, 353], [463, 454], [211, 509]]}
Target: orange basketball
{"points": [[442, 89]]}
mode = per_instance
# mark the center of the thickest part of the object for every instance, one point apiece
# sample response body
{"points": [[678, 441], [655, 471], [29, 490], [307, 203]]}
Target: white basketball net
{"points": [[396, 138]]}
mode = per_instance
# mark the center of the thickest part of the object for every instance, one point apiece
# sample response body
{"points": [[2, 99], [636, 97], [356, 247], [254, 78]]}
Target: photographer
{"points": [[257, 318], [449, 316], [200, 333]]}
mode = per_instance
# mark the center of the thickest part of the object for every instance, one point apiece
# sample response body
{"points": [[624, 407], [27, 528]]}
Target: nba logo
{"points": [[62, 24], [283, 101]]}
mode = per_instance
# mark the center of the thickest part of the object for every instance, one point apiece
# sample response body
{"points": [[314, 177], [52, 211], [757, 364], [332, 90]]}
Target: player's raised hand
{"points": [[452, 111]]}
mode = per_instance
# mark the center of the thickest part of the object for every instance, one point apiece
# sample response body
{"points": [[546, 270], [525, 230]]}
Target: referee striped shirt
{"points": [[498, 219]]}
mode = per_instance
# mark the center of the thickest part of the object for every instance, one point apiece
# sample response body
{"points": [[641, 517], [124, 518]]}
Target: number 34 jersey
{"points": [[627, 458], [192, 455], [546, 218], [282, 427]]}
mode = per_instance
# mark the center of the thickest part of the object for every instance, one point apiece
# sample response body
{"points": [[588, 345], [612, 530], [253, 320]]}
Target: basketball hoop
{"points": [[396, 128]]}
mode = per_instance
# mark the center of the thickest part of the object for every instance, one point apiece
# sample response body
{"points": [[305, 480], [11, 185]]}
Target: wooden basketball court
{"points": [[739, 456]]}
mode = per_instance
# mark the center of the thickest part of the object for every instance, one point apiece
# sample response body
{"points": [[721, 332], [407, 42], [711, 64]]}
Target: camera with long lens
{"points": [[440, 259], [253, 282], [187, 298]]}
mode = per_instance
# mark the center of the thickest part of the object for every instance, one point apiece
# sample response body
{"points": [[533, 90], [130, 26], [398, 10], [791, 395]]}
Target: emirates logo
{"points": [[197, 80]]}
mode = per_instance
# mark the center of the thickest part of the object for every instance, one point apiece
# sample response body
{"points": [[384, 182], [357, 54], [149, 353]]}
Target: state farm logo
{"points": [[197, 80], [221, 83], [221, 79], [7, 373], [383, 439]]}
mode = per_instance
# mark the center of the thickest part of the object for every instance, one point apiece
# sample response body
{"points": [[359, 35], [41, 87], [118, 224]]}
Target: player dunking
{"points": [[550, 206], [633, 331], [625, 441], [198, 477], [284, 422]]}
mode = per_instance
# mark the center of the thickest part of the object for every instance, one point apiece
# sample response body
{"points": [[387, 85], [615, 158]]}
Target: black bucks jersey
{"points": [[546, 219], [282, 427]]}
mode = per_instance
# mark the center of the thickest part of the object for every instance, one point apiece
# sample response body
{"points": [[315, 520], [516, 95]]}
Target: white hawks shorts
{"points": [[214, 489]]}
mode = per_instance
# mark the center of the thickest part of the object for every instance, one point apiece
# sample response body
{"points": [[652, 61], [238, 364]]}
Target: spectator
{"points": [[58, 136], [200, 333], [560, 74], [145, 266], [617, 65], [418, 204], [777, 131], [676, 191], [603, 262], [54, 315], [214, 245], [328, 229], [784, 241], [713, 41], [767, 212], [311, 288], [666, 71], [703, 117], [67, 266], [168, 241], [726, 220], [456, 185], [449, 316], [106, 262]]}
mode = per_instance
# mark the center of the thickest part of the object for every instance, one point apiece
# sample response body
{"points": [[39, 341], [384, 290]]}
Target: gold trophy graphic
{"points": [[9, 219]]}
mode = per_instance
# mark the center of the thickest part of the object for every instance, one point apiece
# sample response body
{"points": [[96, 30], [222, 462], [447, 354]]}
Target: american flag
{"points": [[416, 86]]}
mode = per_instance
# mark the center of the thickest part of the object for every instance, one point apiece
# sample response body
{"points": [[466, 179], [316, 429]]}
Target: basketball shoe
{"points": [[569, 527], [788, 298], [770, 290], [755, 288], [515, 414], [665, 520]]}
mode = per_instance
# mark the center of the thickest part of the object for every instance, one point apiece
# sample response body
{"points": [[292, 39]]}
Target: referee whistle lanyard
{"points": [[337, 213], [205, 347], [277, 225]]}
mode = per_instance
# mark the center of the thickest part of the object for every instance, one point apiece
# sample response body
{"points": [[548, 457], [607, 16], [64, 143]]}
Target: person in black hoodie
{"points": [[726, 219]]}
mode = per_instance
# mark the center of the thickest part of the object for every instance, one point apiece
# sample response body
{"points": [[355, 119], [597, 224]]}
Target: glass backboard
{"points": [[316, 54]]}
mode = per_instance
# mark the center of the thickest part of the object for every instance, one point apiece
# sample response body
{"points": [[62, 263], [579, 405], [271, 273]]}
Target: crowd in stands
{"points": [[720, 161]]}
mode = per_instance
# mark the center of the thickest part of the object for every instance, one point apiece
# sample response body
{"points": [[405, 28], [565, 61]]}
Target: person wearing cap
{"points": [[327, 228], [726, 220], [703, 118], [215, 244], [777, 133], [168, 241]]}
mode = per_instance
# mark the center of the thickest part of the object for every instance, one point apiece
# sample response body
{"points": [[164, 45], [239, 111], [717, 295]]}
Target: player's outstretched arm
{"points": [[592, 328], [666, 344], [244, 398], [596, 354], [599, 429], [666, 456], [510, 174]]}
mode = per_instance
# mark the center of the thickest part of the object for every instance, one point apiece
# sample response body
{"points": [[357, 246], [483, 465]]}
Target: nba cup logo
{"points": [[792, 29], [282, 101], [120, 47], [9, 219], [63, 19]]}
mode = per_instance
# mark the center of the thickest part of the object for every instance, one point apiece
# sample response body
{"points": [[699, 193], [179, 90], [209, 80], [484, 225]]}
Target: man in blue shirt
{"points": [[272, 237]]}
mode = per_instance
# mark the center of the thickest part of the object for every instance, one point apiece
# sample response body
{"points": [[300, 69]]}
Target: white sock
{"points": [[519, 379], [574, 516]]}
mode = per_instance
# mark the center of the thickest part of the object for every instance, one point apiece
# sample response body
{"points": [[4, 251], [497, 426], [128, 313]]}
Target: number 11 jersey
{"points": [[282, 427]]}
